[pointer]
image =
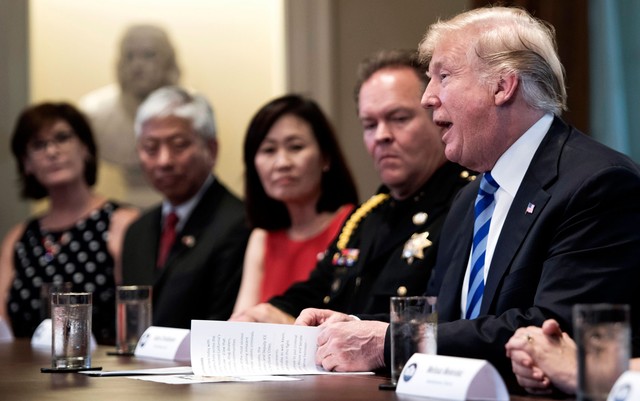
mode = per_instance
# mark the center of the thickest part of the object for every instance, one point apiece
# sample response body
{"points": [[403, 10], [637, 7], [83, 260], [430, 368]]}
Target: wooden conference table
{"points": [[21, 379]]}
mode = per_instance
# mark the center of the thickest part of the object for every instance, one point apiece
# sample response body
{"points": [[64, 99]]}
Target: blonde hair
{"points": [[506, 40]]}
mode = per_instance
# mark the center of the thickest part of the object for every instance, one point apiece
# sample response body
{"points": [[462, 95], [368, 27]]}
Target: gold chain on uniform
{"points": [[356, 218]]}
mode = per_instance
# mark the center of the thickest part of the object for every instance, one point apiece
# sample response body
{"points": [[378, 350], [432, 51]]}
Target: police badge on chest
{"points": [[415, 246]]}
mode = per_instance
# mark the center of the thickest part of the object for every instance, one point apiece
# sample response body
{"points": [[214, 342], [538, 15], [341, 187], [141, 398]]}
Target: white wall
{"points": [[240, 53], [231, 50]]}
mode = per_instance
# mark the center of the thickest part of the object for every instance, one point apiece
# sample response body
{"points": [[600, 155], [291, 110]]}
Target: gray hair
{"points": [[175, 101], [508, 40]]}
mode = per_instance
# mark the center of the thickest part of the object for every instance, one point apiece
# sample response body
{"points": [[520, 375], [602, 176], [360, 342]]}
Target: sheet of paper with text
{"points": [[220, 348]]}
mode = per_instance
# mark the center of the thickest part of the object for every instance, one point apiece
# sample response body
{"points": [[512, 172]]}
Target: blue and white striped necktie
{"points": [[485, 204]]}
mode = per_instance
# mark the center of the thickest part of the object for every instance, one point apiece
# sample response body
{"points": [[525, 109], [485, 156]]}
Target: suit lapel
{"points": [[197, 221], [148, 249], [533, 190], [456, 265]]}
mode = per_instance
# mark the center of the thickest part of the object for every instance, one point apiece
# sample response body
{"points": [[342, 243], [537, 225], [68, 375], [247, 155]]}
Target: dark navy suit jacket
{"points": [[201, 277], [581, 244]]}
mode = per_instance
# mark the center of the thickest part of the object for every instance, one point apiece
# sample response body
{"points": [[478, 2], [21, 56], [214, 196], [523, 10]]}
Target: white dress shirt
{"points": [[508, 173]]}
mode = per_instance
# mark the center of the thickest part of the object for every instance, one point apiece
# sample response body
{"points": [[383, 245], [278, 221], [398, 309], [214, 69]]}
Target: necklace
{"points": [[356, 218], [52, 245]]}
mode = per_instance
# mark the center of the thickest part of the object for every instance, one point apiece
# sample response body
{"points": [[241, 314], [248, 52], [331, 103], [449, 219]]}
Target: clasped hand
{"points": [[542, 357]]}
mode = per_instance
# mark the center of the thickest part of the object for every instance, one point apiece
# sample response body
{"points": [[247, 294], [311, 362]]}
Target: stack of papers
{"points": [[236, 351]]}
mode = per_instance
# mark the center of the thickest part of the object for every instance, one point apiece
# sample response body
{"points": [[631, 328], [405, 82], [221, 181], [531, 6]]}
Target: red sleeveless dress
{"points": [[287, 261]]}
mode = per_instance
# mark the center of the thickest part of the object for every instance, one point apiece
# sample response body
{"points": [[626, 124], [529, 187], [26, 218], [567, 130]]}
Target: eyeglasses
{"points": [[61, 140]]}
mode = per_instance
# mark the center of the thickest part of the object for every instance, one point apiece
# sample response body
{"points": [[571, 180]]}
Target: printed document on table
{"points": [[221, 348], [191, 379]]}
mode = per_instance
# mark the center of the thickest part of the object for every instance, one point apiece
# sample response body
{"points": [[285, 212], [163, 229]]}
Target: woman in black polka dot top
{"points": [[77, 239]]}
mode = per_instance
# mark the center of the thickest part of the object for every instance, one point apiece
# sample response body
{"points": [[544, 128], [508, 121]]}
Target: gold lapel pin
{"points": [[189, 241]]}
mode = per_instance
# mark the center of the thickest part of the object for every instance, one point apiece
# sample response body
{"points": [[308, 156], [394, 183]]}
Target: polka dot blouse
{"points": [[78, 255]]}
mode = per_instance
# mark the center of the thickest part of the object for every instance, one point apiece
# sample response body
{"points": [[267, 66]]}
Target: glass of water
{"points": [[133, 316], [414, 324], [603, 338], [71, 330]]}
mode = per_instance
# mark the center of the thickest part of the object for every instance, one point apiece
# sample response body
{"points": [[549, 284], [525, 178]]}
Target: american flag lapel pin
{"points": [[530, 208]]}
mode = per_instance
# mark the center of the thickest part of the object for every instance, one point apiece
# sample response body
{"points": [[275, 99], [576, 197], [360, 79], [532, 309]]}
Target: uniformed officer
{"points": [[387, 246]]}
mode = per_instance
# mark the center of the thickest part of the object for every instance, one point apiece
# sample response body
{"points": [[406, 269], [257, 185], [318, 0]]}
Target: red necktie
{"points": [[167, 239]]}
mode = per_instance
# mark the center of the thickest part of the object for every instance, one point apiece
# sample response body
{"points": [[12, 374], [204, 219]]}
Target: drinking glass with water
{"points": [[71, 330]]}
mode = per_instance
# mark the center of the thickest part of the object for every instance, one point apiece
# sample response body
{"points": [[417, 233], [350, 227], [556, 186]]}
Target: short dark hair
{"points": [[35, 118], [383, 59], [337, 186]]}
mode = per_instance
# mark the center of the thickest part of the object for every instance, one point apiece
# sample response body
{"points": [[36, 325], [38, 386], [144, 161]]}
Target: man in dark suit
{"points": [[190, 248], [387, 246], [564, 225]]}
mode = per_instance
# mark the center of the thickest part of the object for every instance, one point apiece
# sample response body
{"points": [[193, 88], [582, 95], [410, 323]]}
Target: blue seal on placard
{"points": [[143, 340], [409, 372], [622, 393]]}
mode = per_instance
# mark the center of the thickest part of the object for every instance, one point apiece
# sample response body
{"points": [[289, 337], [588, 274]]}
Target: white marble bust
{"points": [[146, 62]]}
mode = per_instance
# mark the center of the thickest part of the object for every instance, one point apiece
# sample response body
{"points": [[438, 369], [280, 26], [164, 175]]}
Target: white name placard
{"points": [[42, 336], [164, 343], [626, 388], [6, 335], [451, 378]]}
